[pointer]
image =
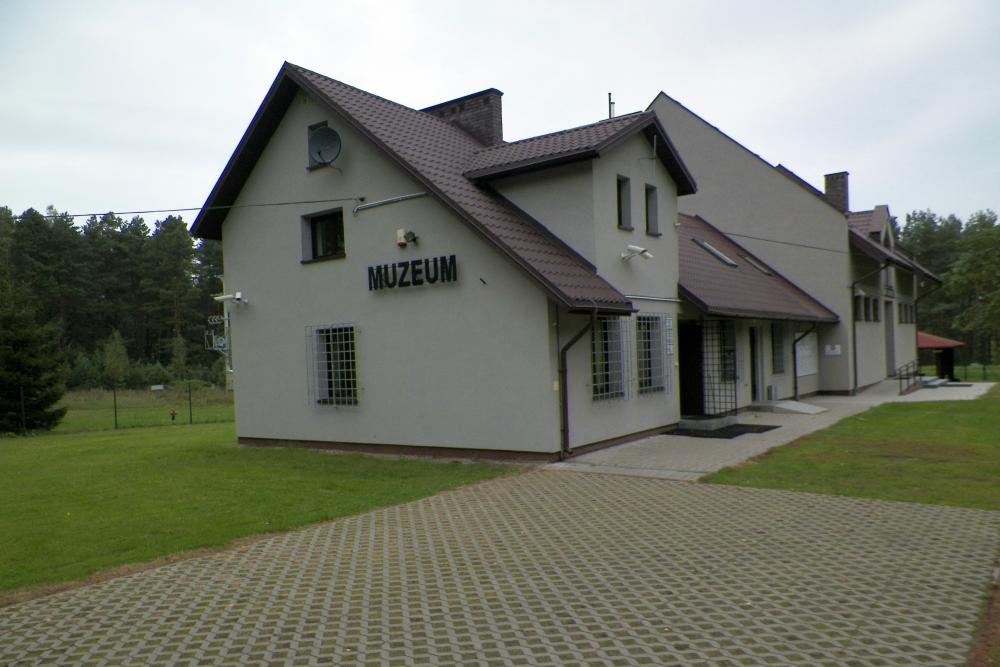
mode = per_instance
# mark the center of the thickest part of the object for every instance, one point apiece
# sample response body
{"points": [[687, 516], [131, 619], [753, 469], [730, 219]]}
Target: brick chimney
{"points": [[836, 191], [480, 114]]}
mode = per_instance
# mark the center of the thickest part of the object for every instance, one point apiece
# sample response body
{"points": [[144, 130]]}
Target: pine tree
{"points": [[30, 373]]}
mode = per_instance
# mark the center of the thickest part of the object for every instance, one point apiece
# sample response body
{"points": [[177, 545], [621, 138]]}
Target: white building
{"points": [[408, 281]]}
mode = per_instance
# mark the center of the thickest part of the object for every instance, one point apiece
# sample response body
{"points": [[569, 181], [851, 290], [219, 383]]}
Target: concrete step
{"points": [[787, 407]]}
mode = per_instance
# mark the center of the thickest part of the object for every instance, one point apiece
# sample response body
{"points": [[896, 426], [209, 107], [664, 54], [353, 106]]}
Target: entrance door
{"points": [[754, 362], [890, 341], [689, 340]]}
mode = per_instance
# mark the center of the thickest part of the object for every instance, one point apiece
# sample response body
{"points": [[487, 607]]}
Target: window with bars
{"points": [[608, 340], [334, 364], [650, 357], [777, 348]]}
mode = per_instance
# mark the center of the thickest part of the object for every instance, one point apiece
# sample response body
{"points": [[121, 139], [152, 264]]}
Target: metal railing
{"points": [[909, 377]]}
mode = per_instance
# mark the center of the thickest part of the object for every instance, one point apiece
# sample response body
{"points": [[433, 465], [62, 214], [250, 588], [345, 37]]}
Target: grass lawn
{"points": [[969, 372], [946, 453], [73, 504], [93, 410]]}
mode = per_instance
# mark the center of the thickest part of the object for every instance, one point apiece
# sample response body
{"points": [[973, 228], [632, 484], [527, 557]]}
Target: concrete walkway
{"points": [[687, 458], [552, 568]]}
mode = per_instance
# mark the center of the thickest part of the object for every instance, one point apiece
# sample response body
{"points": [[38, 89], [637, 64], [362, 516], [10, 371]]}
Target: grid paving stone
{"points": [[552, 568]]}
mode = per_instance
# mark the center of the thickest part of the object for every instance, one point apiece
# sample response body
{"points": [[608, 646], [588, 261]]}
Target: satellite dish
{"points": [[324, 145]]}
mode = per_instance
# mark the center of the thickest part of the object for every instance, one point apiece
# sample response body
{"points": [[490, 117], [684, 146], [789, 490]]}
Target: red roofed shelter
{"points": [[944, 352]]}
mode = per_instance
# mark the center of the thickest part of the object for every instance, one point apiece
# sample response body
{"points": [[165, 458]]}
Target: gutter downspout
{"points": [[564, 449], [795, 360], [854, 323]]}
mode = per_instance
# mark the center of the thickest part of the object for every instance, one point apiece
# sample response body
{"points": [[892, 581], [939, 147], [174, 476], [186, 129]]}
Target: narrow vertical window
{"points": [[652, 212], [624, 203], [777, 348], [608, 358], [649, 346], [859, 313], [335, 372], [876, 310]]}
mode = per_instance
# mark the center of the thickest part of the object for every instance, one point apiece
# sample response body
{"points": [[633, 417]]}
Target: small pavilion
{"points": [[944, 352]]}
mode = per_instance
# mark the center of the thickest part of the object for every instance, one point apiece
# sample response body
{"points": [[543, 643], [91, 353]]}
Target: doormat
{"points": [[725, 433]]}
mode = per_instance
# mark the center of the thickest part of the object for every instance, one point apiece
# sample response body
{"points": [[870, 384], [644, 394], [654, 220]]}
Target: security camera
{"points": [[236, 297], [634, 250]]}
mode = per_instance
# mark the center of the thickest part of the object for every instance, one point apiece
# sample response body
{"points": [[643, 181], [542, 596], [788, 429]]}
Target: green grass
{"points": [[945, 453], [75, 504], [969, 372], [93, 410]]}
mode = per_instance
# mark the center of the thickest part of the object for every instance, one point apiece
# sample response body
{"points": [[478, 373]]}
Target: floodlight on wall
{"points": [[406, 236], [635, 251], [235, 297]]}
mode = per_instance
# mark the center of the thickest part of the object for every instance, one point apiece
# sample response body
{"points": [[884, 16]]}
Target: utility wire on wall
{"points": [[358, 199]]}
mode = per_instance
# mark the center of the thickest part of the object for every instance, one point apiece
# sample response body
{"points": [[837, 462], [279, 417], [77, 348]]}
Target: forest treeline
{"points": [[966, 256], [125, 303]]}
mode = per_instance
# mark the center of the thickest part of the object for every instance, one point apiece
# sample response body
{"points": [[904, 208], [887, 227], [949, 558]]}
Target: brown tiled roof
{"points": [[583, 142], [435, 153], [868, 246], [863, 222], [926, 341], [739, 290]]}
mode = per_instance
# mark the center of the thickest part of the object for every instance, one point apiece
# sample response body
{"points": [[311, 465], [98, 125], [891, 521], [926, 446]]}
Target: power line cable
{"points": [[198, 208]]}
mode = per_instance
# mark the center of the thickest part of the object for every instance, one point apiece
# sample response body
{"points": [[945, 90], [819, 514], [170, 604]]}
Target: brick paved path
{"points": [[552, 568]]}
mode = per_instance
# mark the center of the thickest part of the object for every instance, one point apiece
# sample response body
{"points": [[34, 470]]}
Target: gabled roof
{"points": [[579, 143], [740, 288], [872, 248], [435, 153], [864, 222], [926, 341]]}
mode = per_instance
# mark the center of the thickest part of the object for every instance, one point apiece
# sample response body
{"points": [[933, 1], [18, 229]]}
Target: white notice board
{"points": [[805, 355]]}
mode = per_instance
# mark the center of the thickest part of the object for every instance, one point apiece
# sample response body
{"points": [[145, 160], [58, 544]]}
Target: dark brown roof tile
{"points": [[739, 290]]}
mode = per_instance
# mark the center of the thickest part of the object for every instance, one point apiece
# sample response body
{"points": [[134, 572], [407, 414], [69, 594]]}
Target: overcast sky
{"points": [[138, 105]]}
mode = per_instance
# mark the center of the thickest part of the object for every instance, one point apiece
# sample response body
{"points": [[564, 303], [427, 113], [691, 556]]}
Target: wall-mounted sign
{"points": [[413, 273]]}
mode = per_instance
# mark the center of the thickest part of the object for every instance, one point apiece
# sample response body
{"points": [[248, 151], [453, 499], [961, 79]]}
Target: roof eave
{"points": [[208, 223], [532, 164]]}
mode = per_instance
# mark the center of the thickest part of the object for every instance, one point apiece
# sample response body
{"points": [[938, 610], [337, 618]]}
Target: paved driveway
{"points": [[552, 568]]}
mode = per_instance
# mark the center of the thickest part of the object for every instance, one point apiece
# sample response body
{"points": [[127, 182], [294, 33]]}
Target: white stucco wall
{"points": [[578, 202], [464, 364], [791, 229]]}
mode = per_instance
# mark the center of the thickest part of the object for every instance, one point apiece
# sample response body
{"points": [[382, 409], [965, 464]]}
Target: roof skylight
{"points": [[715, 252], [756, 263]]}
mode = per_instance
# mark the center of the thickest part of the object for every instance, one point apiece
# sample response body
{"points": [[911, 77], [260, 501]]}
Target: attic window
{"points": [[715, 252], [755, 263]]}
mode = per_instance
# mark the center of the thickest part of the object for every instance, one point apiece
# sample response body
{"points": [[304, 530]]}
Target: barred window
{"points": [[334, 364], [649, 344], [608, 358], [777, 348]]}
